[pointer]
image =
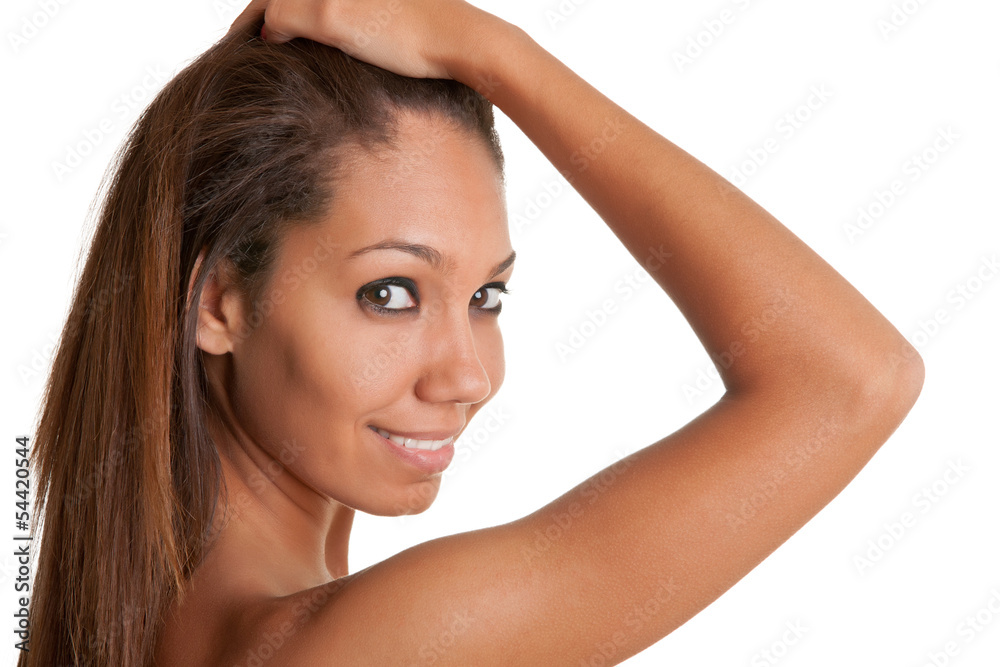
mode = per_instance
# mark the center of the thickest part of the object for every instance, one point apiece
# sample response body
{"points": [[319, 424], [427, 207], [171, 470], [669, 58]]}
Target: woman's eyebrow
{"points": [[502, 266], [426, 253]]}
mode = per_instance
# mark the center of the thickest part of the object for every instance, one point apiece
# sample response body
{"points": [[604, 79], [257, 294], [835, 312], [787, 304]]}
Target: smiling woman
{"points": [[288, 192], [320, 248], [413, 263]]}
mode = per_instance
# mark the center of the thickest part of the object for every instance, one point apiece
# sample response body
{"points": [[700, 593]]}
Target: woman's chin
{"points": [[414, 499]]}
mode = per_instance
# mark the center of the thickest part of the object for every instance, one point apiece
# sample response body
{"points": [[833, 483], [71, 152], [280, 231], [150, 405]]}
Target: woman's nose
{"points": [[453, 369]]}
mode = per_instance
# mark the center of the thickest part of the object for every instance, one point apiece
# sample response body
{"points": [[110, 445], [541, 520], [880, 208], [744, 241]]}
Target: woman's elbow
{"points": [[887, 385]]}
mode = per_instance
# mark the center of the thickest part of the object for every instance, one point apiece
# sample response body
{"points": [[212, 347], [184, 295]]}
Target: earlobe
{"points": [[218, 311]]}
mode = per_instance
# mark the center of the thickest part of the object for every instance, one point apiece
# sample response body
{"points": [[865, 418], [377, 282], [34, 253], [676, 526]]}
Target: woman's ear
{"points": [[220, 307]]}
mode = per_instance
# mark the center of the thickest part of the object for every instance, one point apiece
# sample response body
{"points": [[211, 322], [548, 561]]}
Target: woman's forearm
{"points": [[772, 313]]}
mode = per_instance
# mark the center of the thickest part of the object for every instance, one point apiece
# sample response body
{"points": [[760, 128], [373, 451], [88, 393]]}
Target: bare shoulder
{"points": [[445, 601], [212, 628], [603, 571]]}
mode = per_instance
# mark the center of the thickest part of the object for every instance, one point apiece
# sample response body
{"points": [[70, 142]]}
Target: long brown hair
{"points": [[239, 145]]}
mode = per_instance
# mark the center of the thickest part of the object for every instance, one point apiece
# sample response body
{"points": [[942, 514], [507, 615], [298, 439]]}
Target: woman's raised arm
{"points": [[809, 398]]}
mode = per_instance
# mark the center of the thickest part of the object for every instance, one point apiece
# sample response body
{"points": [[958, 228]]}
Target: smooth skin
{"points": [[808, 400]]}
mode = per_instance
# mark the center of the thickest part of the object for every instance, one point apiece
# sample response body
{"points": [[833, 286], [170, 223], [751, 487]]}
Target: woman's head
{"points": [[380, 313], [233, 214], [319, 157]]}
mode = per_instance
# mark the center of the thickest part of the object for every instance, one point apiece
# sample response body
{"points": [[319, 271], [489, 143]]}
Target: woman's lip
{"points": [[430, 462]]}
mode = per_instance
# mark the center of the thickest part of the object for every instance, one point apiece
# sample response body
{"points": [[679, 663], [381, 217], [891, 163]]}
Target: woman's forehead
{"points": [[444, 176], [439, 193]]}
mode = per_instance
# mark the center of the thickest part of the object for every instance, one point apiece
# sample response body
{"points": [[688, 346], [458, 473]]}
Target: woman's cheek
{"points": [[377, 364]]}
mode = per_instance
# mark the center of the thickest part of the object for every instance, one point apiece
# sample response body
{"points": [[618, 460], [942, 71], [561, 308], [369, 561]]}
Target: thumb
{"points": [[272, 36], [253, 14]]}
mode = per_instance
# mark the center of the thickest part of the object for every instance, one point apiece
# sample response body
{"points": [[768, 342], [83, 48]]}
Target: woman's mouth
{"points": [[413, 443], [429, 456]]}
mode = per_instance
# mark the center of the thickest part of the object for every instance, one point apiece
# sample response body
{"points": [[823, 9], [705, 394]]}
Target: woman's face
{"points": [[326, 366]]}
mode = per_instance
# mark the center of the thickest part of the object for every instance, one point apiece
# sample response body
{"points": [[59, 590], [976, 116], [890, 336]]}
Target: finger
{"points": [[285, 20], [271, 35], [253, 13]]}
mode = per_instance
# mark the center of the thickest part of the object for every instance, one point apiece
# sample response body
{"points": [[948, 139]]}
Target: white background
{"points": [[91, 65]]}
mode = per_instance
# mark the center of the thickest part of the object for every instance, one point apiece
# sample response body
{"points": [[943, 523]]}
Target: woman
{"points": [[282, 212]]}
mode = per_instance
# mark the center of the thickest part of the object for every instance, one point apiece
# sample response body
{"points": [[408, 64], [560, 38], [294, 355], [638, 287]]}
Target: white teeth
{"points": [[432, 445]]}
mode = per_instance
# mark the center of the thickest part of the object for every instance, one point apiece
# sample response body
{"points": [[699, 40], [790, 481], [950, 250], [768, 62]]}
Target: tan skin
{"points": [[808, 401]]}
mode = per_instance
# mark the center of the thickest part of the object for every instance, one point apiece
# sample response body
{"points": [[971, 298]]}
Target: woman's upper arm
{"points": [[625, 557]]}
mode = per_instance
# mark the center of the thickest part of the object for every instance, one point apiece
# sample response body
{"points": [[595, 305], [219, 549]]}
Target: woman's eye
{"points": [[397, 295], [388, 296], [488, 297]]}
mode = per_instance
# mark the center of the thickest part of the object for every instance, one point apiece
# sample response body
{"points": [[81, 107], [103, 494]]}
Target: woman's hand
{"points": [[418, 38]]}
